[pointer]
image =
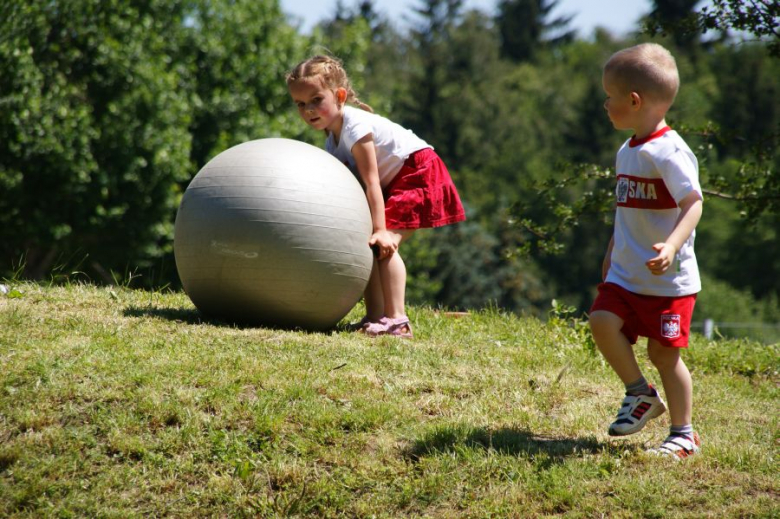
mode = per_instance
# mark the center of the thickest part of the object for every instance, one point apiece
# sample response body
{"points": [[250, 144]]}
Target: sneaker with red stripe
{"points": [[679, 446], [635, 412]]}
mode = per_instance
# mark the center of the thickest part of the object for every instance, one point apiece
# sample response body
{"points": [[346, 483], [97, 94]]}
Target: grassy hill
{"points": [[123, 403]]}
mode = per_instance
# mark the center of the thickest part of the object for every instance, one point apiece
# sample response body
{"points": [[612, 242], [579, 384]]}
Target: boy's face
{"points": [[619, 106]]}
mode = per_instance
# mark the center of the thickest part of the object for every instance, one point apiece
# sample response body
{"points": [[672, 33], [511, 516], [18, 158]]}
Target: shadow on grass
{"points": [[194, 317], [184, 315], [511, 441]]}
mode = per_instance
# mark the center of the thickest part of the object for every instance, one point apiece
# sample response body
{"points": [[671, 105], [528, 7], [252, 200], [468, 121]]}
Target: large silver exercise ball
{"points": [[274, 232]]}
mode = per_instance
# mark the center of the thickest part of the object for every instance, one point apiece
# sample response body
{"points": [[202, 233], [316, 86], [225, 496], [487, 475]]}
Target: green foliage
{"points": [[565, 319], [108, 110], [677, 14], [742, 357], [93, 133], [742, 252], [525, 27], [348, 36], [463, 267], [758, 18], [567, 207], [433, 74], [735, 139], [747, 131], [737, 313], [236, 55]]}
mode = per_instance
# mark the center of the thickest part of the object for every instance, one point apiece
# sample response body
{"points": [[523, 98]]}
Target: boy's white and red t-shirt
{"points": [[393, 142], [653, 175]]}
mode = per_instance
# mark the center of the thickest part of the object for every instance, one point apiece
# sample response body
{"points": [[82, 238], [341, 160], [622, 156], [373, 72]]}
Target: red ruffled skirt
{"points": [[422, 194]]}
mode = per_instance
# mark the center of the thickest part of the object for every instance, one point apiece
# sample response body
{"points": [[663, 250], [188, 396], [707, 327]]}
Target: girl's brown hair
{"points": [[330, 72]]}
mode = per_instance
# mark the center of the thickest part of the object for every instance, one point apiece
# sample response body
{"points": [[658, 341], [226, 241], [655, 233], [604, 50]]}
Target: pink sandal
{"points": [[364, 323], [400, 327]]}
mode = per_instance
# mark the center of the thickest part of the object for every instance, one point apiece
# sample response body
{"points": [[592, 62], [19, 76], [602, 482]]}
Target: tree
{"points": [[737, 150], [758, 18], [747, 116], [387, 62], [675, 13], [525, 28], [348, 36], [464, 266], [236, 54], [751, 130], [425, 112], [93, 133], [108, 110]]}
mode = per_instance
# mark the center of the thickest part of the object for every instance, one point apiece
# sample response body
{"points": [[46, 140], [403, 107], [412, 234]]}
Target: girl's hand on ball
{"points": [[382, 244]]}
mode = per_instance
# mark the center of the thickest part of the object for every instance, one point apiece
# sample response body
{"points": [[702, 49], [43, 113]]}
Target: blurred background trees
{"points": [[109, 108]]}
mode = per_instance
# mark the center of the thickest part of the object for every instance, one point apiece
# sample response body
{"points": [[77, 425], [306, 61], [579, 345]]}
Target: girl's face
{"points": [[319, 106], [619, 106]]}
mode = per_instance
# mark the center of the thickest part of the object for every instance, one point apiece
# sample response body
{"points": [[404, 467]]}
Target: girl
{"points": [[407, 185]]}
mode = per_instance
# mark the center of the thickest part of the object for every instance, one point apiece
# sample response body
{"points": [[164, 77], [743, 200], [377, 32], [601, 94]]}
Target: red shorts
{"points": [[665, 319], [422, 194]]}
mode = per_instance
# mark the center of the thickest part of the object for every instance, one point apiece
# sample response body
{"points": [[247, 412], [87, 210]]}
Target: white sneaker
{"points": [[635, 412], [679, 446]]}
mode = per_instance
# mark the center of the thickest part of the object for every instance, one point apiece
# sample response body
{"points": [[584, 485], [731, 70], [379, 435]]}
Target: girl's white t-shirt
{"points": [[393, 142], [653, 176]]}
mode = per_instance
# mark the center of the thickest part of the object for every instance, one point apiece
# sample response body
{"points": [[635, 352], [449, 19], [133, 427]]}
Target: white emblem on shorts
{"points": [[670, 326]]}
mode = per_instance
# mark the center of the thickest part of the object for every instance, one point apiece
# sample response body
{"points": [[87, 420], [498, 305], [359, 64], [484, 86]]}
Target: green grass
{"points": [[122, 403]]}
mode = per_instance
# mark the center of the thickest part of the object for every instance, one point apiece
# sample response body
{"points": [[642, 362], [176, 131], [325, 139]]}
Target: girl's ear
{"points": [[341, 94]]}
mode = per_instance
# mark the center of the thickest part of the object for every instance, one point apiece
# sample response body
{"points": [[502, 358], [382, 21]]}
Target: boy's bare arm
{"points": [[690, 214]]}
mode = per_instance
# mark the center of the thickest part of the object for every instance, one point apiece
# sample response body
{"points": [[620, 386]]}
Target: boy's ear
{"points": [[636, 100]]}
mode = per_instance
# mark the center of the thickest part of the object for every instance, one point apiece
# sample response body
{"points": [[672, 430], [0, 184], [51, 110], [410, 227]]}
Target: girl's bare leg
{"points": [[392, 273], [373, 296]]}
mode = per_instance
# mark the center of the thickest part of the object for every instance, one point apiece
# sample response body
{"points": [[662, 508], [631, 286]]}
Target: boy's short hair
{"points": [[647, 69]]}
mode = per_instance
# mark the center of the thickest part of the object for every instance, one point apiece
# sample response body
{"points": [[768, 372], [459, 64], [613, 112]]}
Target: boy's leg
{"points": [[392, 272], [682, 441], [635, 410], [676, 379], [614, 345]]}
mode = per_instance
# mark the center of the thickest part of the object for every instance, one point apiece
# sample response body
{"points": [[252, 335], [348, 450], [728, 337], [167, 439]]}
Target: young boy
{"points": [[650, 273]]}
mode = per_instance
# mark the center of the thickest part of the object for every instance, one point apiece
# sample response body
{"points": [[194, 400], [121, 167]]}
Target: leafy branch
{"points": [[560, 204], [756, 17], [755, 182], [557, 206]]}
